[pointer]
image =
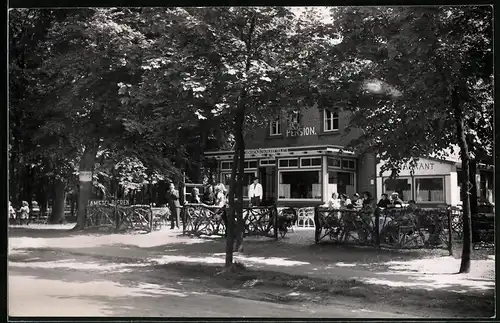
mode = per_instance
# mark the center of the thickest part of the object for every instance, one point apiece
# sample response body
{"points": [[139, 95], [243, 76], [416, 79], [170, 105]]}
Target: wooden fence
{"points": [[123, 218]]}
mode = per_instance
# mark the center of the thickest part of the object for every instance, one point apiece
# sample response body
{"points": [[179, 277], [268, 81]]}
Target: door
{"points": [[267, 177]]}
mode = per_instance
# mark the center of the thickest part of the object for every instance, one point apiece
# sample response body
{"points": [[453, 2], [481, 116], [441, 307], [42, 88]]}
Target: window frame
{"points": [[297, 199], [326, 124], [276, 123], [267, 162], [288, 159], [348, 160], [311, 158], [414, 188]]}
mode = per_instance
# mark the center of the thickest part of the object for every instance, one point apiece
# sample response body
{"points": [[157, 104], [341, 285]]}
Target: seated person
{"points": [[395, 200], [357, 202], [209, 197], [333, 203], [195, 196], [384, 201]]}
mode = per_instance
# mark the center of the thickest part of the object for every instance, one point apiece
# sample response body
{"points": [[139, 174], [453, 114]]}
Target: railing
{"points": [[391, 228], [201, 219], [135, 217]]}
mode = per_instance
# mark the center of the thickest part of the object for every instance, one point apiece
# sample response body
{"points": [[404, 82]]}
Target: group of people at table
{"points": [[339, 201], [22, 215]]}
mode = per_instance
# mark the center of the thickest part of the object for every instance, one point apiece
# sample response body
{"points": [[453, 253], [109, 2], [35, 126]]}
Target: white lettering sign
{"points": [[85, 176], [420, 166], [304, 131], [266, 151]]}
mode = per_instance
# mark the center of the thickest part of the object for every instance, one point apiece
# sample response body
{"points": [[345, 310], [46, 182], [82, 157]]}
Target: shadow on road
{"points": [[120, 285]]}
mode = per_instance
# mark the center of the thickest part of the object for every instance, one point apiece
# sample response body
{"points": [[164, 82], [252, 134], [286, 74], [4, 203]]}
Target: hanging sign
{"points": [[85, 176]]}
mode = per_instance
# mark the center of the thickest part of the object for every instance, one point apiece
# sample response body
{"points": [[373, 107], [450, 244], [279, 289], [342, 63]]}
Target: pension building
{"points": [[300, 160]]}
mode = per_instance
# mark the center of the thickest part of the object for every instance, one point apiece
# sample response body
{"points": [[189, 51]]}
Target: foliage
{"points": [[402, 66]]}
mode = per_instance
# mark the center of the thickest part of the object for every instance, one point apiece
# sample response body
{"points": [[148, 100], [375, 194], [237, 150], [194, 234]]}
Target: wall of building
{"points": [[366, 175], [312, 119]]}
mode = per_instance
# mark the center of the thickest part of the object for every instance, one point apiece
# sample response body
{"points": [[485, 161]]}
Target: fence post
{"points": [[117, 218], [377, 227], [150, 218], [275, 210], [450, 237]]}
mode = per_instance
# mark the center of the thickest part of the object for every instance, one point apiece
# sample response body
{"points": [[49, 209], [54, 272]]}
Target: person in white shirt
{"points": [[334, 202], [255, 192]]}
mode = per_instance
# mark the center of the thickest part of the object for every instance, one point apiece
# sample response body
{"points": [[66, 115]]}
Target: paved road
{"points": [[29, 296]]}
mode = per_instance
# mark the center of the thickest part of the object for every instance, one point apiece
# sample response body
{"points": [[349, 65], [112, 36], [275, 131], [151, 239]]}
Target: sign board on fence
{"points": [[108, 202], [85, 176]]}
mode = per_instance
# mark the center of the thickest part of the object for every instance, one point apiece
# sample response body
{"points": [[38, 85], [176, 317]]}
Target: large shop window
{"points": [[331, 121], [429, 189], [402, 186], [247, 180], [275, 127], [341, 182], [300, 185]]}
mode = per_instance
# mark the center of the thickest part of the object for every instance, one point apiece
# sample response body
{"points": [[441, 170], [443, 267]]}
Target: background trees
{"points": [[155, 87]]}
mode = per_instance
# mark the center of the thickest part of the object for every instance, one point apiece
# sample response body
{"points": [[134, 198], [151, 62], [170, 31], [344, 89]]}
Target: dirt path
{"points": [[123, 275]]}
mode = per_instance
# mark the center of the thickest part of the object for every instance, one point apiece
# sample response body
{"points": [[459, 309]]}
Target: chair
{"points": [[306, 216]]}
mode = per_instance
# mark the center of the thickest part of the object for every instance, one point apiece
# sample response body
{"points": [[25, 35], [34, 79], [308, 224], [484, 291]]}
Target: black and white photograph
{"points": [[235, 162]]}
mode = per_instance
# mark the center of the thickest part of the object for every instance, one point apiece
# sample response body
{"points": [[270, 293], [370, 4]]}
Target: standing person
{"points": [[255, 192], [384, 201], [12, 214], [174, 206], [208, 196], [24, 212], [35, 209]]}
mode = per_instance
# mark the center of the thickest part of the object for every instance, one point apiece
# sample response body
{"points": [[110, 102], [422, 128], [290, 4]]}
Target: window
{"points": [[348, 164], [226, 165], [275, 127], [331, 121], [288, 163], [300, 185], [267, 162], [251, 164], [402, 186], [247, 180], [341, 182], [334, 162], [310, 162], [429, 189]]}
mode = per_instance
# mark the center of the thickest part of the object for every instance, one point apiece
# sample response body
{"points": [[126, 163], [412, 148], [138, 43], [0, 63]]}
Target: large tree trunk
{"points": [[86, 167], [57, 214], [464, 154]]}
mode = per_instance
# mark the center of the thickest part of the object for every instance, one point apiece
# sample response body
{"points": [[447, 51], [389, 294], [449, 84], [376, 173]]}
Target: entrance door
{"points": [[267, 177]]}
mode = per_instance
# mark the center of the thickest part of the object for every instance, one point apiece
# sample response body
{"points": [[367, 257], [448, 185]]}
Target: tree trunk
{"points": [[86, 166], [57, 214], [230, 213], [240, 224], [464, 154]]}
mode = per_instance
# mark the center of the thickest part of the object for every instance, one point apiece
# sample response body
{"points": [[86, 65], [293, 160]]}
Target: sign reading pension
{"points": [[108, 202], [301, 131]]}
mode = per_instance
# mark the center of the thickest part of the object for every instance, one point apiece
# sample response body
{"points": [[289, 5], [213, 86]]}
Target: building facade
{"points": [[300, 160]]}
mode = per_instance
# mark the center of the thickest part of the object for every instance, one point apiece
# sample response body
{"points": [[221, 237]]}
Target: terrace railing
{"points": [[119, 217], [201, 219], [390, 228]]}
